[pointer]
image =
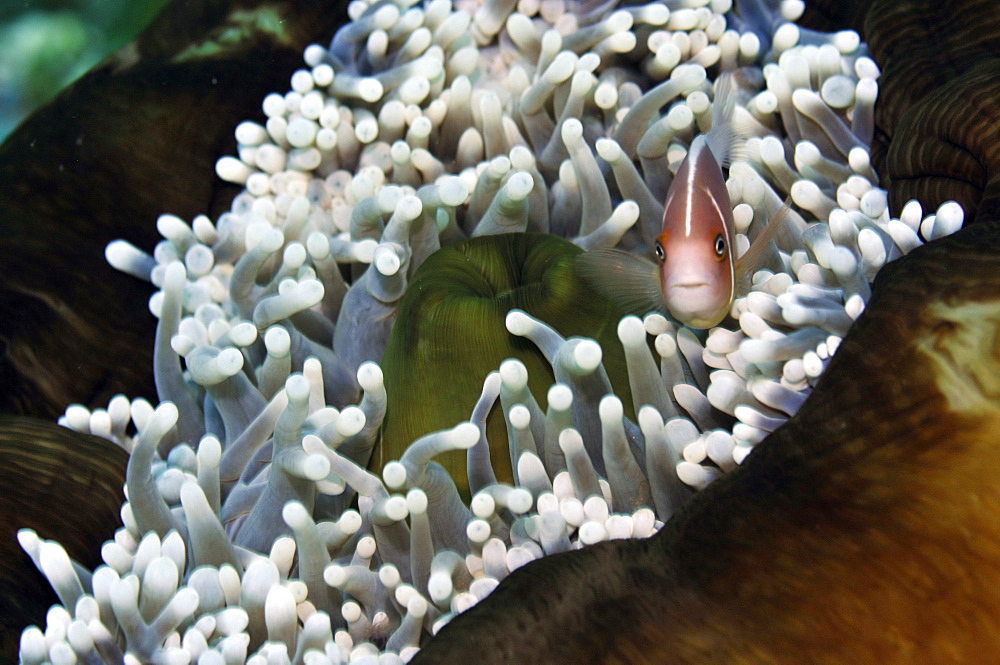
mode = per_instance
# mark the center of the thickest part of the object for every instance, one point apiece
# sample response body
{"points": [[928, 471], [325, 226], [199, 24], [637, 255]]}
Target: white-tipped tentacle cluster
{"points": [[419, 126]]}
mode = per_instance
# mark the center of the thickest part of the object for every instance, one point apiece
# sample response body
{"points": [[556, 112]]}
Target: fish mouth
{"points": [[696, 304], [688, 279], [692, 290]]}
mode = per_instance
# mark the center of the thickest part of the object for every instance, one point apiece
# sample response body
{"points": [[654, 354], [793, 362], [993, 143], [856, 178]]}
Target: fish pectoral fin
{"points": [[629, 281], [760, 250]]}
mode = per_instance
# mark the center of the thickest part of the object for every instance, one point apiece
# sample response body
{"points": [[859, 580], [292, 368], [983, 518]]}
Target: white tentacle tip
{"points": [[520, 417], [417, 607], [175, 276], [190, 492], [650, 420], [185, 602], [519, 500], [587, 355], [350, 521], [514, 374], [689, 75], [277, 341], [697, 475], [312, 444], [317, 467], [335, 575], [570, 439], [28, 540], [519, 185], [483, 505], [453, 190], [625, 214], [395, 508], [519, 323], [295, 515], [229, 361], [386, 259], [572, 132], [416, 501], [370, 376], [394, 475], [560, 396], [609, 150], [296, 387], [168, 411], [610, 409], [351, 421], [465, 435], [631, 331]]}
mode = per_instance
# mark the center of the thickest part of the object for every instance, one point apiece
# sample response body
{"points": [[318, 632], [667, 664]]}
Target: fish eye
{"points": [[720, 246], [660, 254]]}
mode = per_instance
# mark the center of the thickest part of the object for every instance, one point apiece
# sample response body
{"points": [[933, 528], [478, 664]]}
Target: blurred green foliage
{"points": [[47, 44]]}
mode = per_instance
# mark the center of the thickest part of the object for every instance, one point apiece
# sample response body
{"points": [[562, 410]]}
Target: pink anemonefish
{"points": [[697, 275]]}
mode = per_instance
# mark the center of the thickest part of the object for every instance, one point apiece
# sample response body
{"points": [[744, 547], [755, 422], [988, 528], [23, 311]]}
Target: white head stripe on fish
{"points": [[689, 186]]}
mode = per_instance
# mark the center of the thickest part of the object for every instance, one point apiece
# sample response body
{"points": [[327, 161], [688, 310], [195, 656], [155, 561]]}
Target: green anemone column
{"points": [[450, 334]]}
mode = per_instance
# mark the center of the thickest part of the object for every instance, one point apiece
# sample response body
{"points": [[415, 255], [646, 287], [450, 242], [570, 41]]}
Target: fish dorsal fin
{"points": [[755, 257], [629, 281], [727, 136], [721, 137]]}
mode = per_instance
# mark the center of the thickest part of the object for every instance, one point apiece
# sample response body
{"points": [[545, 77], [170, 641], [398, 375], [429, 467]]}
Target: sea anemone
{"points": [[421, 135]]}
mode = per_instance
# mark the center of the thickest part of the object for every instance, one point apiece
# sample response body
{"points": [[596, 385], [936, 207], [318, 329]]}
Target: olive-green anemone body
{"points": [[450, 334]]}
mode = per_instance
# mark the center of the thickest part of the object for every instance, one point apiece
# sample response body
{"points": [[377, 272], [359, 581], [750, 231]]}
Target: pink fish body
{"points": [[697, 275], [694, 248]]}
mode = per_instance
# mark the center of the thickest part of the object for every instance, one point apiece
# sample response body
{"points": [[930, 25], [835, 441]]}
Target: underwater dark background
{"points": [[47, 44]]}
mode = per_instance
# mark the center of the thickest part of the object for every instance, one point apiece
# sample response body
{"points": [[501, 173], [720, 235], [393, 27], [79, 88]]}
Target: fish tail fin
{"points": [[760, 249], [629, 281]]}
